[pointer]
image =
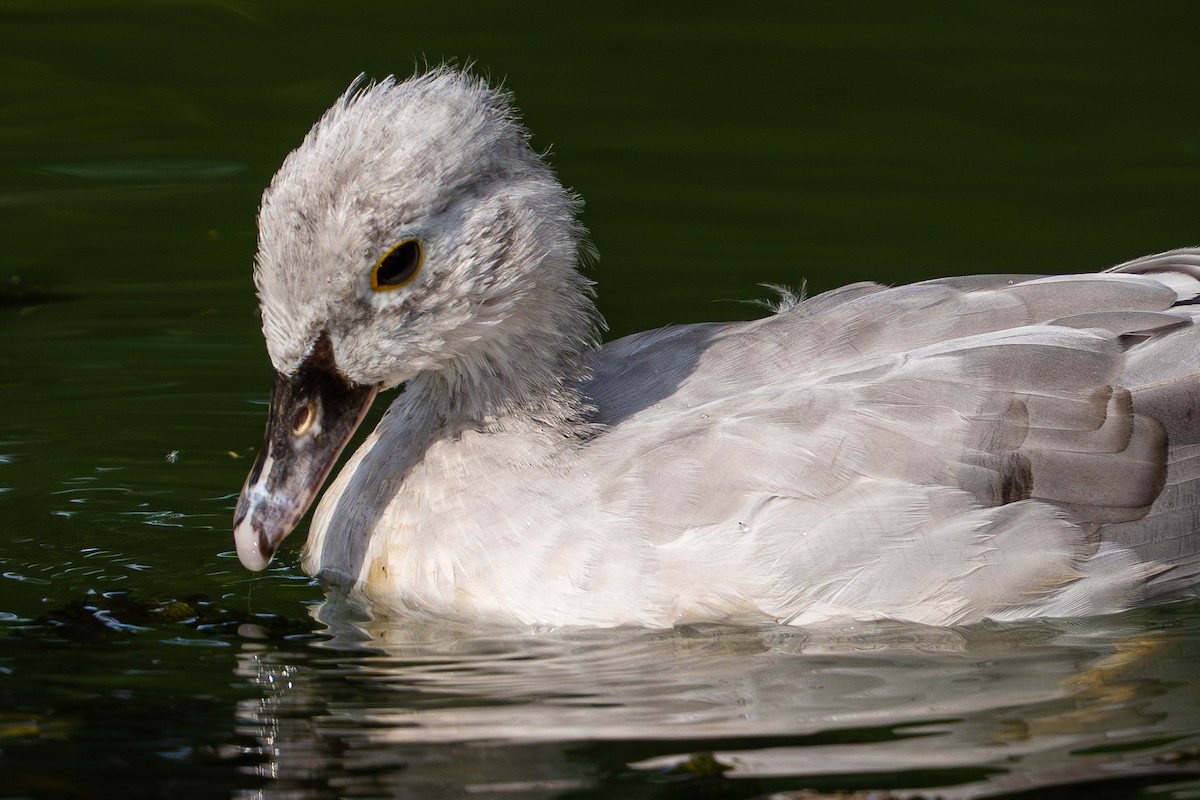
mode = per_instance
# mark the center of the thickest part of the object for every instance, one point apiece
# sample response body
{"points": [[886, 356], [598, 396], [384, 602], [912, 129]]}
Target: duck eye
{"points": [[397, 267]]}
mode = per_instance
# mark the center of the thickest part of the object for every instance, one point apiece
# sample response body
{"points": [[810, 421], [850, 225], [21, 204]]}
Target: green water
{"points": [[715, 152]]}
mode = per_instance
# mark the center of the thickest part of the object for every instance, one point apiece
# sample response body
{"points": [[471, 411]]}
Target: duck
{"points": [[946, 452]]}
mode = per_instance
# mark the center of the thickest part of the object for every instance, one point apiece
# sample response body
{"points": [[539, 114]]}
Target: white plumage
{"points": [[945, 452]]}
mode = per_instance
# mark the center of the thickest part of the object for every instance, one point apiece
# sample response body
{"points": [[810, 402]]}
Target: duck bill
{"points": [[313, 413]]}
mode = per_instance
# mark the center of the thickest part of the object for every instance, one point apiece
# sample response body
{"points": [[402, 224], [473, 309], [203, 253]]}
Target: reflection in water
{"points": [[421, 709]]}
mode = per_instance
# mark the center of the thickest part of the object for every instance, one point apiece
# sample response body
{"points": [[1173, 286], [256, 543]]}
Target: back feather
{"points": [[1020, 446]]}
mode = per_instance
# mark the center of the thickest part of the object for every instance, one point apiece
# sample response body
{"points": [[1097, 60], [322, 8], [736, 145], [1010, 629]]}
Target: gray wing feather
{"points": [[990, 409]]}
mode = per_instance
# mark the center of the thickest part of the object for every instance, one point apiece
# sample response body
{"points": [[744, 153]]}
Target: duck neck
{"points": [[526, 373]]}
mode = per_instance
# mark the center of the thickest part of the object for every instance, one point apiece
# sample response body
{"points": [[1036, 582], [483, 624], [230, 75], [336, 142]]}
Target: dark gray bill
{"points": [[313, 413]]}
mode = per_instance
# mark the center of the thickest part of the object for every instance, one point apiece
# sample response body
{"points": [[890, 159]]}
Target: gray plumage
{"points": [[944, 452]]}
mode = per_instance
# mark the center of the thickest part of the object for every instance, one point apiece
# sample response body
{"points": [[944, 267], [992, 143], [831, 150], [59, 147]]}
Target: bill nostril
{"points": [[303, 419]]}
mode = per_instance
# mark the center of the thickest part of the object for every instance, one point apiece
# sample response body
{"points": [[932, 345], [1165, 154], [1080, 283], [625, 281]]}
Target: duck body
{"points": [[956, 450]]}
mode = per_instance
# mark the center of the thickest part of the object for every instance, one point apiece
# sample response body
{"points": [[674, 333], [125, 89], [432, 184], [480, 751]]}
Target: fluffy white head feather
{"points": [[440, 159]]}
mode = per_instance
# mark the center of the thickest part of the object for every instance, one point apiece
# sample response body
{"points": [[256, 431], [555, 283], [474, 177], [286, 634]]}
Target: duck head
{"points": [[413, 237]]}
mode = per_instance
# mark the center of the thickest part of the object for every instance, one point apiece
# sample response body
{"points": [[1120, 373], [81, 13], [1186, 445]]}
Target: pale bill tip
{"points": [[249, 546]]}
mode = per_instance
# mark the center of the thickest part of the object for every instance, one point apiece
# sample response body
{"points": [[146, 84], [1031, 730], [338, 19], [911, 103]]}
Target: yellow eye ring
{"points": [[399, 265]]}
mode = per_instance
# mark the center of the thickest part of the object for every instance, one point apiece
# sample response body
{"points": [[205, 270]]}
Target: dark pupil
{"points": [[399, 265]]}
